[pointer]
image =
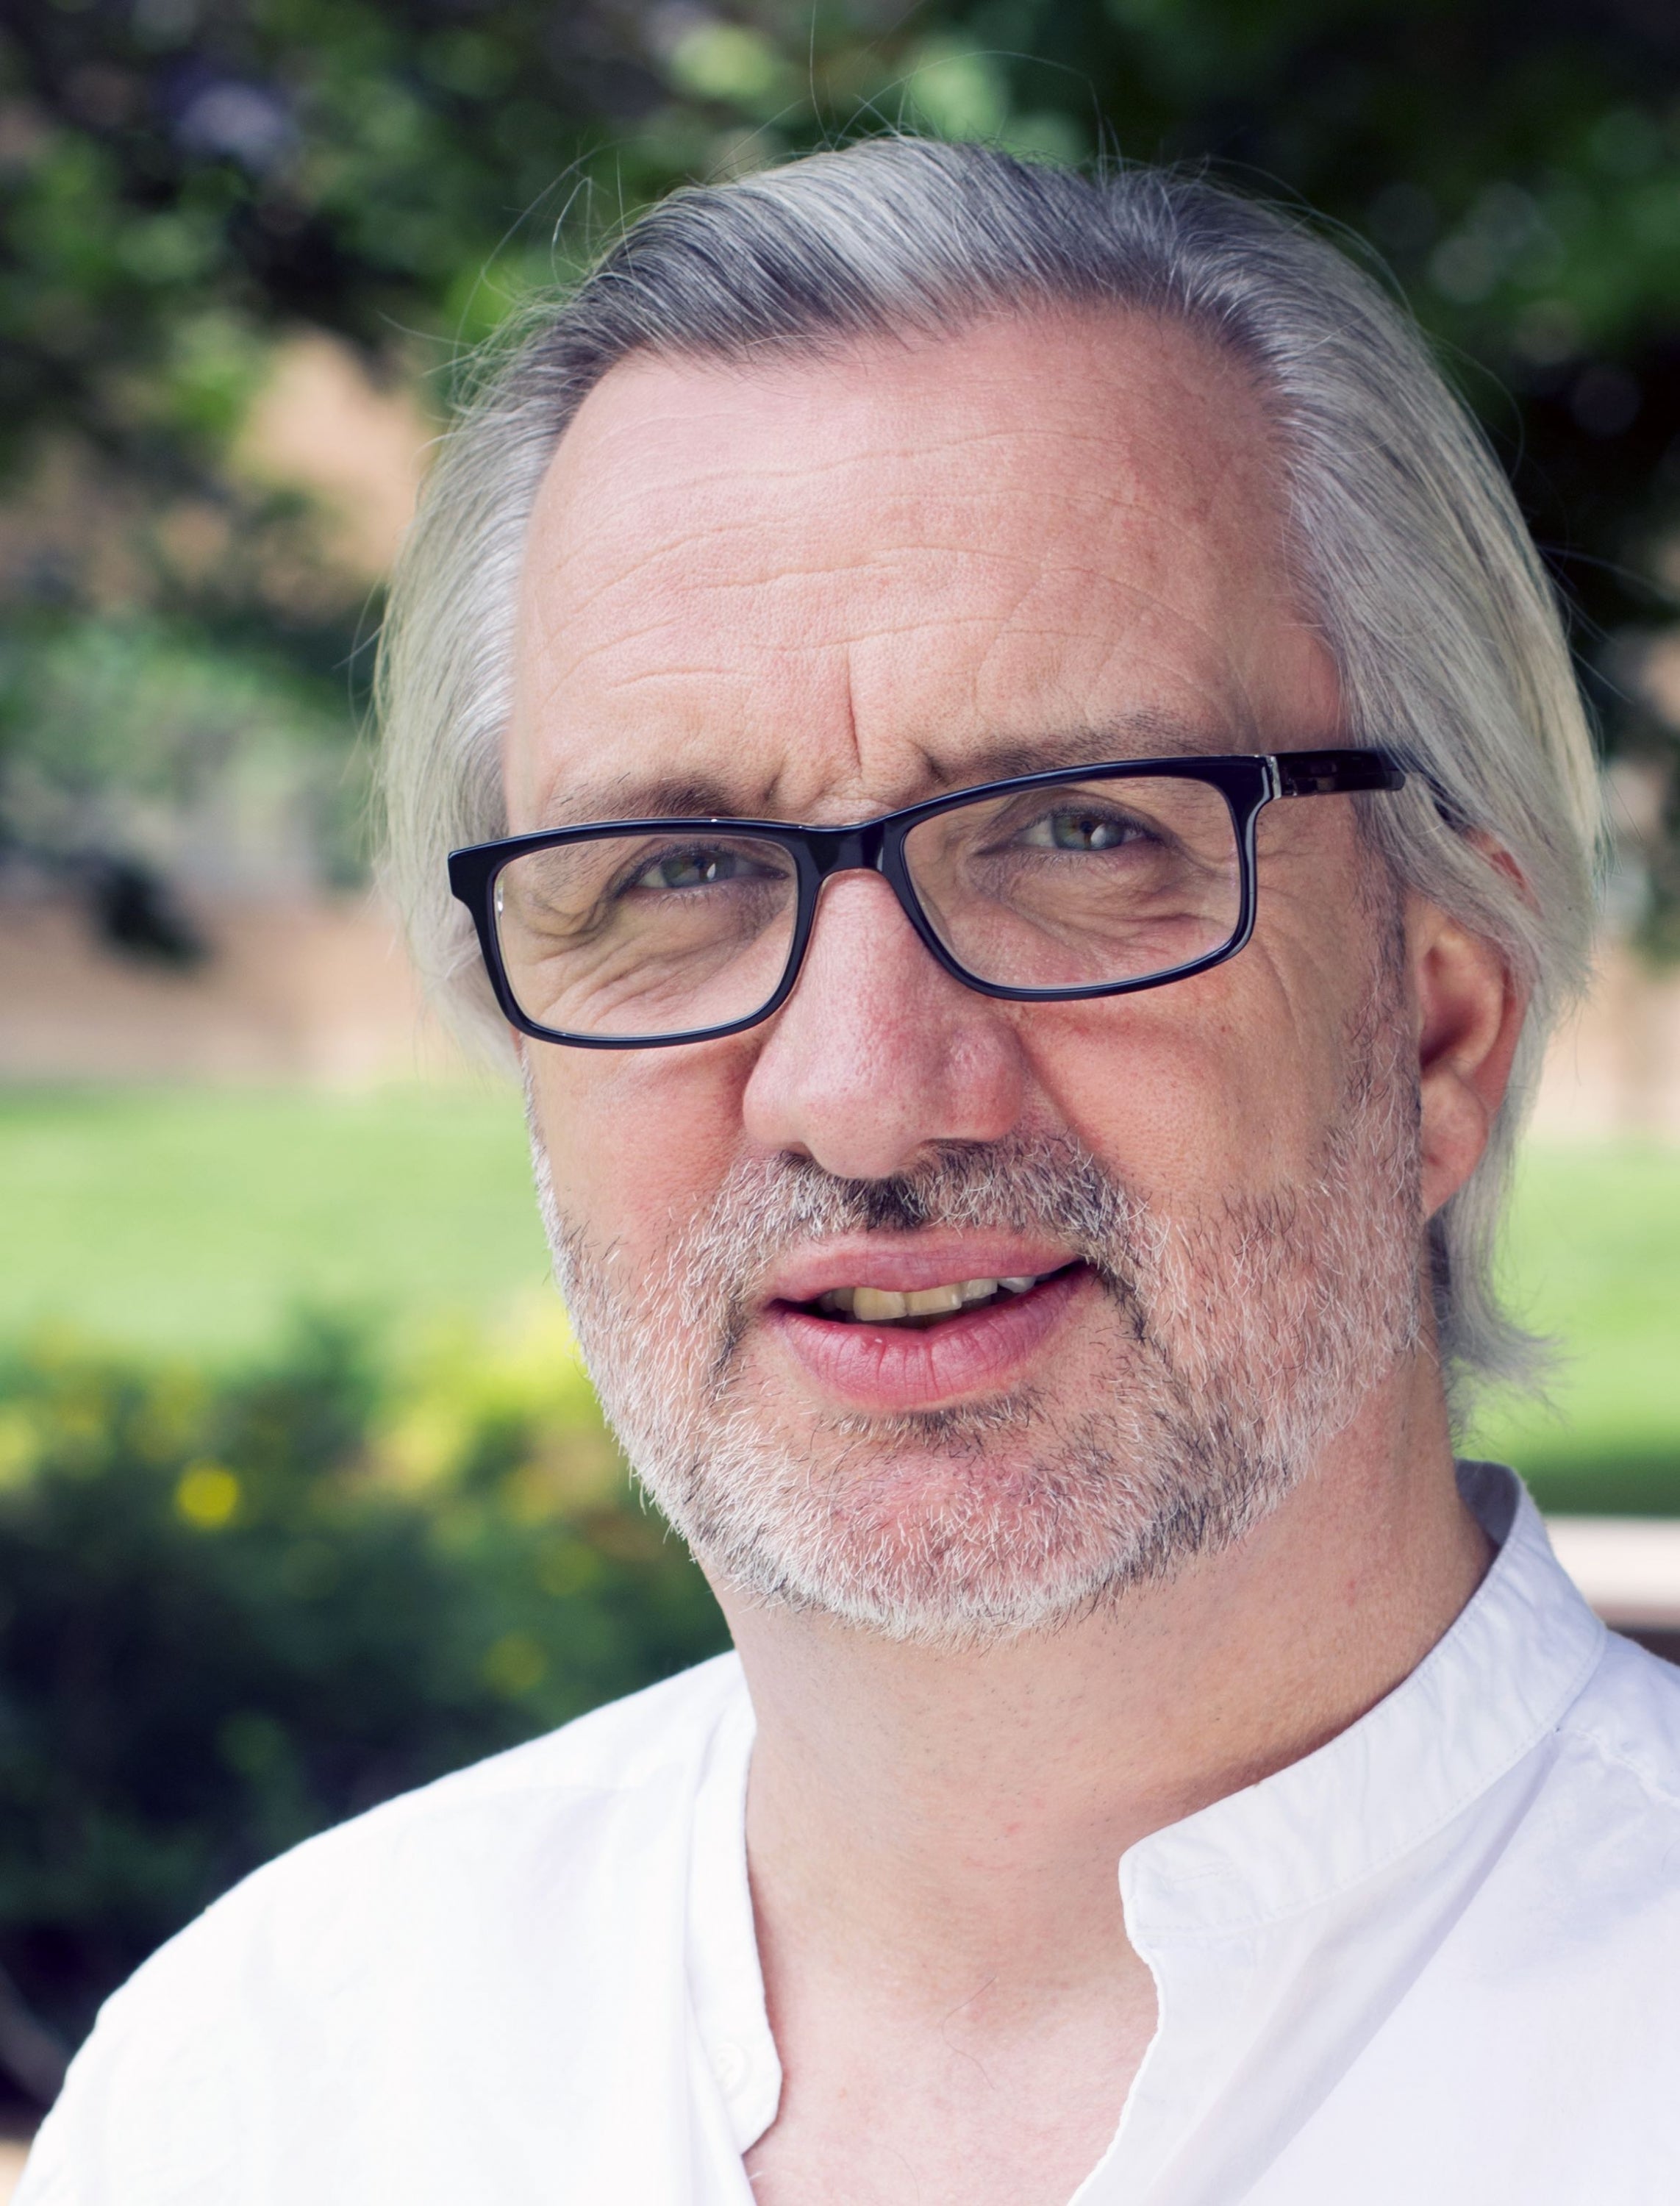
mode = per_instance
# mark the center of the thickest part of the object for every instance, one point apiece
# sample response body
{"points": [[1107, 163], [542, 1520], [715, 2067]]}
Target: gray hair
{"points": [[1411, 553]]}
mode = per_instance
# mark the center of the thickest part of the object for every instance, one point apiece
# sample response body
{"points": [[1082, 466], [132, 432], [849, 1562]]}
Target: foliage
{"points": [[235, 1610], [190, 173], [188, 178], [124, 731], [188, 1221]]}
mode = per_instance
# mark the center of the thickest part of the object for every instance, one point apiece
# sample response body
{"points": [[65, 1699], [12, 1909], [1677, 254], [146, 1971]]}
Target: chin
{"points": [[986, 1530]]}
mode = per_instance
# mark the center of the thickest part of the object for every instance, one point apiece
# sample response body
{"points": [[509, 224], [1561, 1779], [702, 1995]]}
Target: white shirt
{"points": [[1437, 1961]]}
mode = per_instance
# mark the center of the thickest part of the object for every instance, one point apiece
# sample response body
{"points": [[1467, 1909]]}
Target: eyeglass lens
{"points": [[646, 934], [1082, 884], [1074, 885]]}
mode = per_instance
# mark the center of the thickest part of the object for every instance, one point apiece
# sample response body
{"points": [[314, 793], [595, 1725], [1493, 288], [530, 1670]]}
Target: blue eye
{"points": [[1071, 828], [694, 868]]}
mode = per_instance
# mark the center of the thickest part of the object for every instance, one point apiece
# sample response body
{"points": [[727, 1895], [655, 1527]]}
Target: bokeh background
{"points": [[302, 1497]]}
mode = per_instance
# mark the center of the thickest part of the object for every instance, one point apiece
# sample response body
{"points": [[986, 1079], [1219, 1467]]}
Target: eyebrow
{"points": [[1145, 734], [644, 797]]}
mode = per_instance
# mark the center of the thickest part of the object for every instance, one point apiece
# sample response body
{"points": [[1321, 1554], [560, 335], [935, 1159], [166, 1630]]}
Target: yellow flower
{"points": [[207, 1495]]}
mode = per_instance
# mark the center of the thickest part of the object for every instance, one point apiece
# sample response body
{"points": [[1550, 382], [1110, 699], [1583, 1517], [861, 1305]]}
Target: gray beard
{"points": [[1245, 1335]]}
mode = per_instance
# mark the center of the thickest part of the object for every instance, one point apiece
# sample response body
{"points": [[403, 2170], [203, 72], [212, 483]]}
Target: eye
{"points": [[1079, 827], [696, 868]]}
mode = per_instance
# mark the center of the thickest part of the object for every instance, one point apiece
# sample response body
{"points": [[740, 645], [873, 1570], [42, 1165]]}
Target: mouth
{"points": [[919, 1309], [917, 1346]]}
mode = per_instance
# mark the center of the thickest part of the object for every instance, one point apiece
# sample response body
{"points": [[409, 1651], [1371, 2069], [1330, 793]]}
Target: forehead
{"points": [[810, 589]]}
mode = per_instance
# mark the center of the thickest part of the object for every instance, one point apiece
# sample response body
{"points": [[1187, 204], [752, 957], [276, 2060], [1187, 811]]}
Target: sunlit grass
{"points": [[194, 1222], [1594, 1259]]}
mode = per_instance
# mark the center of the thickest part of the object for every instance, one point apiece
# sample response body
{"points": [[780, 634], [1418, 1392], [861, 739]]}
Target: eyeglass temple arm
{"points": [[1333, 773]]}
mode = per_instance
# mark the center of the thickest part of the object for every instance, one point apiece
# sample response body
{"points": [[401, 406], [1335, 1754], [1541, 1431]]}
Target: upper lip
{"points": [[903, 1263]]}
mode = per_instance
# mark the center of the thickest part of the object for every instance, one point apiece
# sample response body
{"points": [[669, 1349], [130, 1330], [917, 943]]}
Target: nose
{"points": [[879, 1055]]}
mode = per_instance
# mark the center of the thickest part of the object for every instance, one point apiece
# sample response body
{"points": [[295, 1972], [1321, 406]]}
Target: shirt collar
{"points": [[1501, 1679]]}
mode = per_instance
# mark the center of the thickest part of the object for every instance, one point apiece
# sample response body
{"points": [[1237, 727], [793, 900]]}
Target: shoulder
{"points": [[564, 1794], [428, 1918], [629, 1743], [648, 1738], [1575, 1906], [1626, 1723], [1605, 1832]]}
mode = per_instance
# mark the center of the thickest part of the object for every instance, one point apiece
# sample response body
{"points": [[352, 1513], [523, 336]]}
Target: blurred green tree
{"points": [[186, 180], [235, 1608]]}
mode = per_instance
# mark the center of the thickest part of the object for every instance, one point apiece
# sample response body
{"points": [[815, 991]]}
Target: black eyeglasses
{"points": [[1093, 881]]}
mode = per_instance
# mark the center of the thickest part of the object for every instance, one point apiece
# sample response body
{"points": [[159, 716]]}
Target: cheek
{"points": [[1206, 1087], [637, 1142]]}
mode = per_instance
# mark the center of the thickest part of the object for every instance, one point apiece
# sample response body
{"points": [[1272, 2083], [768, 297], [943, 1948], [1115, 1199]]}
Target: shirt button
{"points": [[730, 2066]]}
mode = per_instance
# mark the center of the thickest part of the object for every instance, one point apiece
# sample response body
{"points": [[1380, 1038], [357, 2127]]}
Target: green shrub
{"points": [[233, 1610]]}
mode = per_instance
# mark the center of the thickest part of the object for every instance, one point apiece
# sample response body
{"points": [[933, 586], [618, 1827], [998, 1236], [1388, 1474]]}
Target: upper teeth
{"points": [[875, 1305]]}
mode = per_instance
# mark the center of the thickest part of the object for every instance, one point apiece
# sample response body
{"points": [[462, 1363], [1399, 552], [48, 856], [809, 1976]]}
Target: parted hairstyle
{"points": [[1410, 552]]}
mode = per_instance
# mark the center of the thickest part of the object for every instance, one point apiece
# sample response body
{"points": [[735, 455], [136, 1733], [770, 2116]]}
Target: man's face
{"points": [[816, 592]]}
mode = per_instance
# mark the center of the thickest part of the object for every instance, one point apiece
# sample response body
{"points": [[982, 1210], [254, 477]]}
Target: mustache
{"points": [[1046, 1183], [1049, 1181]]}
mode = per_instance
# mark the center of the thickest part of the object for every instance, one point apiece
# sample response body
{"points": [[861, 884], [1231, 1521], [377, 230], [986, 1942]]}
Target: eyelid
{"points": [[1028, 806], [656, 848]]}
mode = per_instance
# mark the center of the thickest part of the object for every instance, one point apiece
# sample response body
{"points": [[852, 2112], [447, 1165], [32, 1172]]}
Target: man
{"points": [[1018, 788]]}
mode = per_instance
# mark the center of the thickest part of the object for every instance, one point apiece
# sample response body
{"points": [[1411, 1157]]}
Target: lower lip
{"points": [[887, 1367]]}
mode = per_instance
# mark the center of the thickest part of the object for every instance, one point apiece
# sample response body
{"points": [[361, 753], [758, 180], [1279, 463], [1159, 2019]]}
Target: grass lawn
{"points": [[1592, 1259], [192, 1222]]}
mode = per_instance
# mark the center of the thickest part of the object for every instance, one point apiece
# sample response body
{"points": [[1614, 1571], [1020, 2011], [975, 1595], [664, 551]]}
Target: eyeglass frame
{"points": [[1248, 782]]}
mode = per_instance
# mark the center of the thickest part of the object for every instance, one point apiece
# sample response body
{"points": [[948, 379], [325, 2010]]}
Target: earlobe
{"points": [[1470, 1008]]}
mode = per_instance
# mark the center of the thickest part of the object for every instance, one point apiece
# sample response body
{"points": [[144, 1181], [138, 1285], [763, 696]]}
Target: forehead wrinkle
{"points": [[1078, 593], [1023, 578], [665, 611], [699, 542], [997, 628], [1119, 490], [705, 569], [651, 391], [895, 432], [705, 573], [1036, 582], [992, 638]]}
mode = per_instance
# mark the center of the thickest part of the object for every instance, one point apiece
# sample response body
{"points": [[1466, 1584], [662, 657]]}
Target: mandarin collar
{"points": [[1499, 1680]]}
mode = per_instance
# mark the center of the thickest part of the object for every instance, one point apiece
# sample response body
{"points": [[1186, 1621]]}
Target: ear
{"points": [[1468, 1009]]}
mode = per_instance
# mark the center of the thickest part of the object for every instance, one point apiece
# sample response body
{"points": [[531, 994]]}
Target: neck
{"points": [[969, 1809]]}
